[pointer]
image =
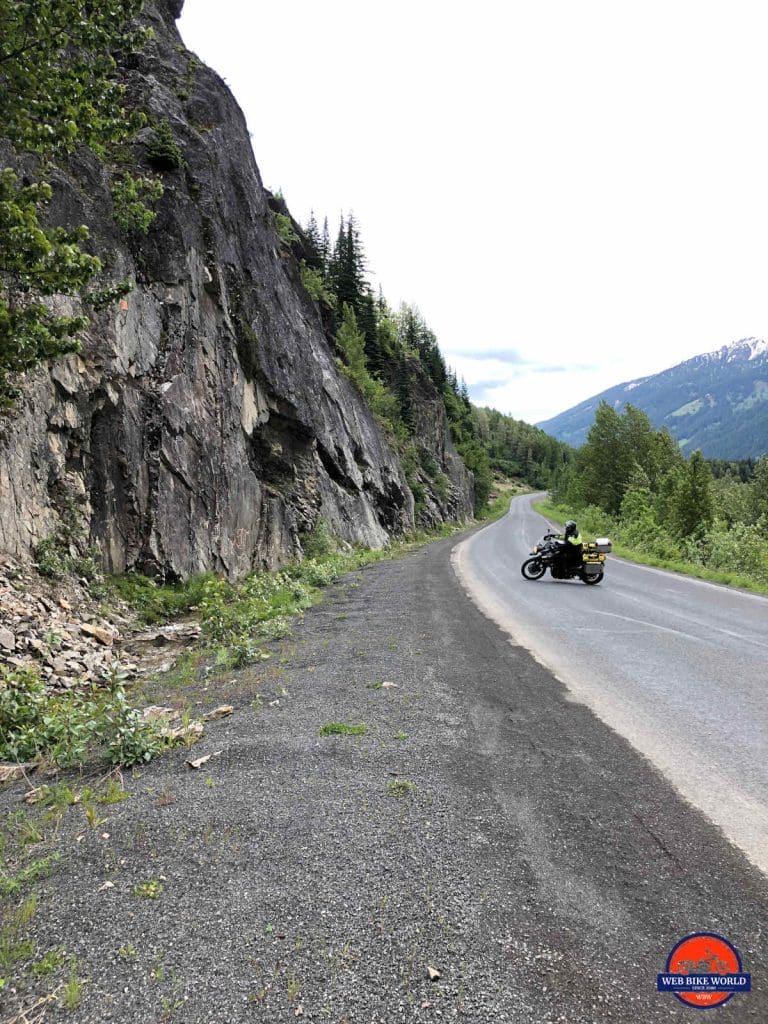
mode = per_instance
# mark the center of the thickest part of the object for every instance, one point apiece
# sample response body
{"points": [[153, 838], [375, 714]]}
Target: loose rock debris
{"points": [[57, 627]]}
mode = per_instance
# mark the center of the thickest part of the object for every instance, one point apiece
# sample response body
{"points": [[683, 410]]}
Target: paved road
{"points": [[677, 666]]}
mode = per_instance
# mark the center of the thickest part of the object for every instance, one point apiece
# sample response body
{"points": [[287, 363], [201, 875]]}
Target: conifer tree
{"points": [[312, 235], [325, 245], [368, 323], [692, 509], [346, 268]]}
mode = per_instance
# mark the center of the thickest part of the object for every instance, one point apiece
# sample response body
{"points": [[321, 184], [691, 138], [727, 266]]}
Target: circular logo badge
{"points": [[704, 971]]}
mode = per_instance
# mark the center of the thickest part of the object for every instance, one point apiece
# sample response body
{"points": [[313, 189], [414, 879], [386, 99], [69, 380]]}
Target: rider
{"points": [[572, 544]]}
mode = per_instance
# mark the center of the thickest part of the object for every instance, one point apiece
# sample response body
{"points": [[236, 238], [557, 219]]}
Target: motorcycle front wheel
{"points": [[591, 580], [533, 569]]}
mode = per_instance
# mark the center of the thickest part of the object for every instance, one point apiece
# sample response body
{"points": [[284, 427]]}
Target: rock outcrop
{"points": [[205, 424]]}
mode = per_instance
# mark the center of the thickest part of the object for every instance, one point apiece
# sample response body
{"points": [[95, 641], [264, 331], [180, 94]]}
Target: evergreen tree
{"points": [[346, 267], [692, 509], [325, 245], [605, 461], [368, 323], [313, 242]]}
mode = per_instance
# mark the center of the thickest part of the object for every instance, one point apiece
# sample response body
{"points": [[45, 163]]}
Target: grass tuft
{"points": [[401, 788], [342, 729]]}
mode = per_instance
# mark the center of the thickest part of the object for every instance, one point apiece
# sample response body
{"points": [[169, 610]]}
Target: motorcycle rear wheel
{"points": [[591, 580], [533, 569]]}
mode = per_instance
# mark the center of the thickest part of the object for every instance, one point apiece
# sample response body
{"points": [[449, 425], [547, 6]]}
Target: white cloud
{"points": [[577, 183]]}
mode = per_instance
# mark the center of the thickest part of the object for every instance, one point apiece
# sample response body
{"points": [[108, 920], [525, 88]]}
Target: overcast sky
{"points": [[574, 194]]}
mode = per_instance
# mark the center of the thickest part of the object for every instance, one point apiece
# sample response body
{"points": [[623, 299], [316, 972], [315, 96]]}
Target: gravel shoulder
{"points": [[536, 861]]}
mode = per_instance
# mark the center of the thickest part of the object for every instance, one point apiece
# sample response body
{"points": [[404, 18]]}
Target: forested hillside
{"points": [[632, 482]]}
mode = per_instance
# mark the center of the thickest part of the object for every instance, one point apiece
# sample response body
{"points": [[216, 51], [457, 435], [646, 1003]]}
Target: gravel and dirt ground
{"points": [[486, 851]]}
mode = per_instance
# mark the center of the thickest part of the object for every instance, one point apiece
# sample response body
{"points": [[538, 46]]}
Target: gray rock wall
{"points": [[205, 424]]}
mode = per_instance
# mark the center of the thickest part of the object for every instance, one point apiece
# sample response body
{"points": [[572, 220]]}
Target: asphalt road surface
{"points": [[676, 665]]}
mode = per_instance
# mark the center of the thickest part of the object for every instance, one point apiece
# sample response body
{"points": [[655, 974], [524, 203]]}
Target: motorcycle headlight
{"points": [[535, 549]]}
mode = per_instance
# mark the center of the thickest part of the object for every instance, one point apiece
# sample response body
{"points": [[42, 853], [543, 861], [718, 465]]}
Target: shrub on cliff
{"points": [[58, 91]]}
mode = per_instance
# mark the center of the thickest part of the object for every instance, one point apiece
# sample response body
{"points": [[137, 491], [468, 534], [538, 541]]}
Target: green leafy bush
{"points": [[130, 197], [315, 284], [156, 603], [284, 226], [69, 728]]}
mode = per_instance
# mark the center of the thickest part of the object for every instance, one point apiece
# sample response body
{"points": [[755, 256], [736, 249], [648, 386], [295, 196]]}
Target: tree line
{"points": [[631, 480]]}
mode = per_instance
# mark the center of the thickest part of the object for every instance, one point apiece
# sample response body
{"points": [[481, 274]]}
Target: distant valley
{"points": [[716, 402]]}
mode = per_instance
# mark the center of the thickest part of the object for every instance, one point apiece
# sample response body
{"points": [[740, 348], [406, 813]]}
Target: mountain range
{"points": [[716, 402]]}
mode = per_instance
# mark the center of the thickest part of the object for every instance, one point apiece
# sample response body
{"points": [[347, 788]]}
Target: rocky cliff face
{"points": [[205, 424]]}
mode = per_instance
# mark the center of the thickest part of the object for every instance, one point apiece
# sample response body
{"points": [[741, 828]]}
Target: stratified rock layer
{"points": [[205, 424]]}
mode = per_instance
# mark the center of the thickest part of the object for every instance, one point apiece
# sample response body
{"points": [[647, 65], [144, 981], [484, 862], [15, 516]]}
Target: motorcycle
{"points": [[550, 554]]}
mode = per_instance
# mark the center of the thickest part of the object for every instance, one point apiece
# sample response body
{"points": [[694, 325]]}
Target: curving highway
{"points": [[678, 666]]}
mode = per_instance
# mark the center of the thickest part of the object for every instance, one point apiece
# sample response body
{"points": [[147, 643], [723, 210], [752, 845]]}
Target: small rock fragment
{"points": [[11, 772], [104, 636], [220, 712], [34, 796], [433, 973], [157, 711], [185, 733], [198, 761]]}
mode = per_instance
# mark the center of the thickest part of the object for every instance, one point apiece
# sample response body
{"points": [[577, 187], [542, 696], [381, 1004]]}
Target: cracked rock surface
{"points": [[205, 425]]}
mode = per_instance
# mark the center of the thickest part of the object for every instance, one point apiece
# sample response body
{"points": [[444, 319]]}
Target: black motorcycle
{"points": [[551, 553]]}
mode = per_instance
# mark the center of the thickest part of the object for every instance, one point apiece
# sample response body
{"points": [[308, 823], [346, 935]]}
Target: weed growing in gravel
{"points": [[14, 948], [114, 793], [342, 729], [374, 686], [149, 890], [58, 797], [27, 831], [73, 988], [49, 963], [92, 815], [401, 736], [12, 884], [400, 788], [294, 988], [128, 951]]}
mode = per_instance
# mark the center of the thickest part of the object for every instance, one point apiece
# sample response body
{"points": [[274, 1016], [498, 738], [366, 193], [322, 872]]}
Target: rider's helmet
{"points": [[571, 529]]}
